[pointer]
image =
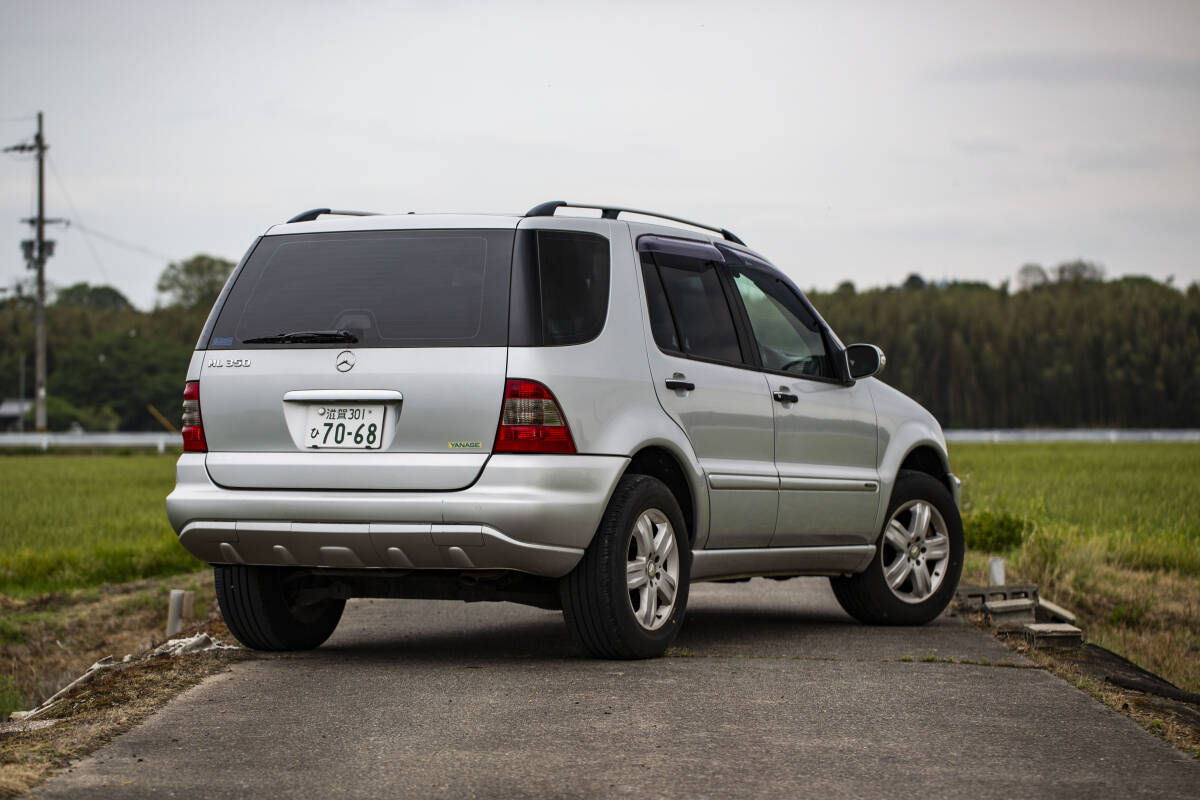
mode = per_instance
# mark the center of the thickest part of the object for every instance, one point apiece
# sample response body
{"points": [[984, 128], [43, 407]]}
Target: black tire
{"points": [[596, 597], [260, 611], [869, 598]]}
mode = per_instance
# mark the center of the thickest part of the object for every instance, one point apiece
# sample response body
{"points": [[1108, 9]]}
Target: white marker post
{"points": [[175, 613], [996, 571]]}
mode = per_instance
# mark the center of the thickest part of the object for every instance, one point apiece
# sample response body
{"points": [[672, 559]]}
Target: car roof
{"points": [[338, 222], [411, 221]]}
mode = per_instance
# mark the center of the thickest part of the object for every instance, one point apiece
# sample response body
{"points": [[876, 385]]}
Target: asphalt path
{"points": [[774, 692]]}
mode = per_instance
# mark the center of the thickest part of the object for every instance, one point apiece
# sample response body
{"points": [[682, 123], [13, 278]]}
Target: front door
{"points": [[825, 431]]}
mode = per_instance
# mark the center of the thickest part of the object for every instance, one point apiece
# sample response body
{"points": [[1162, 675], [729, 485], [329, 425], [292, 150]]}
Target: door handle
{"points": [[686, 386], [785, 397]]}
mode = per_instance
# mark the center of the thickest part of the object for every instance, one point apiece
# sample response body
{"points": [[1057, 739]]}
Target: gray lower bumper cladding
{"points": [[373, 545]]}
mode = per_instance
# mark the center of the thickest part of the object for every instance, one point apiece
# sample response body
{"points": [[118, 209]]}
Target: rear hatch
{"points": [[359, 360]]}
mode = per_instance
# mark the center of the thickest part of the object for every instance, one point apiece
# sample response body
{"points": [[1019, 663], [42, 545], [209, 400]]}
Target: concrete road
{"points": [[782, 696]]}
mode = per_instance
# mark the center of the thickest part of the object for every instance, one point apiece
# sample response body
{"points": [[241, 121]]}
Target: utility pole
{"points": [[37, 251]]}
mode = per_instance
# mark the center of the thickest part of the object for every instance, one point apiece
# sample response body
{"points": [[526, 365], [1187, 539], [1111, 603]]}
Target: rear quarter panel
{"points": [[604, 385]]}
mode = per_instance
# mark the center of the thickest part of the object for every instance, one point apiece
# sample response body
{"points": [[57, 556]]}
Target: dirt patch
{"points": [[1149, 617], [96, 712], [46, 642]]}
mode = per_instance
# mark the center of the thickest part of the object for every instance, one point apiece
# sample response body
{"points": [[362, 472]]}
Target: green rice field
{"points": [[1140, 501], [75, 521]]}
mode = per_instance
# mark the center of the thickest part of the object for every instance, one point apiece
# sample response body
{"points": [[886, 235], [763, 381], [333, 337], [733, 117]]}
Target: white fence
{"points": [[161, 441], [1076, 435], [44, 441]]}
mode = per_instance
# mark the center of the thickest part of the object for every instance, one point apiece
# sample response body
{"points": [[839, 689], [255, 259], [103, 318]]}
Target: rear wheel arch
{"points": [[658, 462], [628, 595]]}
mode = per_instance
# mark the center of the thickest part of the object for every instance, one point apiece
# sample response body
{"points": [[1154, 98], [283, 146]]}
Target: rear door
{"points": [[705, 381], [359, 360]]}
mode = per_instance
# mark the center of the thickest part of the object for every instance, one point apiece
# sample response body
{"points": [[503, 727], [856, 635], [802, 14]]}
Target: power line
{"points": [[77, 219], [89, 232], [137, 248], [27, 118]]}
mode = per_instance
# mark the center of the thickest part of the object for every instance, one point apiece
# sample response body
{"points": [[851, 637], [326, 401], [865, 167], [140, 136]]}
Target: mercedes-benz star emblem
{"points": [[345, 361]]}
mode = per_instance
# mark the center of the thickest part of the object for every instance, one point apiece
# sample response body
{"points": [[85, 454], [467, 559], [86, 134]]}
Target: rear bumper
{"points": [[530, 513]]}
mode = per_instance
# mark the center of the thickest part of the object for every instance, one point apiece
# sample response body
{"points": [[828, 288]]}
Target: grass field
{"points": [[1110, 530], [77, 521]]}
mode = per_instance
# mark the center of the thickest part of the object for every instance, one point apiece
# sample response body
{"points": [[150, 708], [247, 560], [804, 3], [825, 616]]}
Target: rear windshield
{"points": [[385, 288]]}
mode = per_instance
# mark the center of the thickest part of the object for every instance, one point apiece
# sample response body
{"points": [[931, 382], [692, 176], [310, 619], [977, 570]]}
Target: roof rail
{"points": [[547, 209], [311, 214]]}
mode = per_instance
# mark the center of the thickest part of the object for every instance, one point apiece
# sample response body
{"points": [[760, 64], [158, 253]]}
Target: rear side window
{"points": [[387, 288], [661, 323], [560, 288], [700, 322]]}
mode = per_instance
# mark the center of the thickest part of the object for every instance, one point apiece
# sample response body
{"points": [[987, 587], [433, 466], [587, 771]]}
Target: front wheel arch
{"points": [[877, 595]]}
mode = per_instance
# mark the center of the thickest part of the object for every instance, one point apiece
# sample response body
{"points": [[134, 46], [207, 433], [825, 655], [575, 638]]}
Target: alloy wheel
{"points": [[916, 551], [652, 569]]}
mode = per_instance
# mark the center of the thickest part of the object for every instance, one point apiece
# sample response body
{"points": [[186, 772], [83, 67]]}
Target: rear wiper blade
{"points": [[305, 337]]}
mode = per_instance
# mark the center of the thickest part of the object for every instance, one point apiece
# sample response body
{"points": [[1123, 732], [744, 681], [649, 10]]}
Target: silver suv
{"points": [[576, 412]]}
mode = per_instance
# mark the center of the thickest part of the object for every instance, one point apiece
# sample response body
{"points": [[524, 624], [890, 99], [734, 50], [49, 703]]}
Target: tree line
{"points": [[107, 362], [1068, 349], [1065, 349]]}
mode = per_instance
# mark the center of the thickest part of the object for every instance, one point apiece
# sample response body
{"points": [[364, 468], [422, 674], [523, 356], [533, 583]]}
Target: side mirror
{"points": [[864, 360]]}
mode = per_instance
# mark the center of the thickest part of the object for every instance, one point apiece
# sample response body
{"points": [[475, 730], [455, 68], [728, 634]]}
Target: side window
{"points": [[788, 335], [689, 290], [559, 288], [661, 323], [573, 281]]}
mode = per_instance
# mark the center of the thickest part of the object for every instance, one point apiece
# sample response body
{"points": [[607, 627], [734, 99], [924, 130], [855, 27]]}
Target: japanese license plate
{"points": [[345, 426]]}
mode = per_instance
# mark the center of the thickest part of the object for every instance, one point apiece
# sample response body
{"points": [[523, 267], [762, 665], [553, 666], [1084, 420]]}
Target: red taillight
{"points": [[193, 425], [532, 421]]}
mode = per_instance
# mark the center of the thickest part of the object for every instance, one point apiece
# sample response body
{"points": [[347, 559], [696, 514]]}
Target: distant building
{"points": [[11, 412]]}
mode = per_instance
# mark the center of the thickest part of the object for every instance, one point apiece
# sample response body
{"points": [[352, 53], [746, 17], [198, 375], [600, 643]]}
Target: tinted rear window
{"points": [[560, 288], [388, 288]]}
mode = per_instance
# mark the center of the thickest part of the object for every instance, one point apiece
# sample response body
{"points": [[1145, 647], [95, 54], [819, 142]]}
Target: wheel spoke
{"points": [[635, 573], [666, 589], [898, 572], [649, 607], [897, 535], [664, 543], [918, 524], [937, 547], [921, 582], [643, 532]]}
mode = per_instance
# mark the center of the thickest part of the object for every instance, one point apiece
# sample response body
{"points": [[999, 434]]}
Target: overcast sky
{"points": [[844, 140]]}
